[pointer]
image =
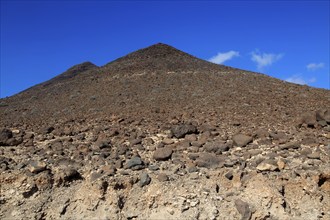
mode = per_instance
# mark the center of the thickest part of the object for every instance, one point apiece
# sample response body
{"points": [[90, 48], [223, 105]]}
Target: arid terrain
{"points": [[161, 134]]}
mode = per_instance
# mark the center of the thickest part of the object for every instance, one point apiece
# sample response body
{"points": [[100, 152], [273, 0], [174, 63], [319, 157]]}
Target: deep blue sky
{"points": [[285, 39]]}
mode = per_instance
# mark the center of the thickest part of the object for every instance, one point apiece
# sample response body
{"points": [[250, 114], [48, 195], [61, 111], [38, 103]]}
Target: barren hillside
{"points": [[161, 134]]}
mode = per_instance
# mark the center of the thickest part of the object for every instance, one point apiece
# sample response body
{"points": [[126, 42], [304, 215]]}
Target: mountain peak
{"points": [[157, 50], [159, 57], [161, 47], [76, 69]]}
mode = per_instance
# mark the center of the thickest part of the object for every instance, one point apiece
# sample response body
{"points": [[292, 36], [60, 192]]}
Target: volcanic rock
{"points": [[144, 179], [323, 115], [65, 175], [290, 145], [209, 160], [162, 177], [30, 191], [135, 163], [5, 135], [163, 153], [243, 208], [179, 131], [216, 147], [308, 119], [44, 180], [241, 140], [37, 166], [267, 166]]}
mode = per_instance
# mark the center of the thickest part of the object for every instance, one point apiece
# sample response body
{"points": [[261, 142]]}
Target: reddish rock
{"points": [[163, 153], [241, 140]]}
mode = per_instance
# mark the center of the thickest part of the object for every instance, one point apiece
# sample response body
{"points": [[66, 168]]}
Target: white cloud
{"points": [[314, 66], [312, 80], [223, 57], [264, 59], [298, 79]]}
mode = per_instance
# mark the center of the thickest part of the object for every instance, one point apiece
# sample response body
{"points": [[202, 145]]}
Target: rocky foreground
{"points": [[123, 168]]}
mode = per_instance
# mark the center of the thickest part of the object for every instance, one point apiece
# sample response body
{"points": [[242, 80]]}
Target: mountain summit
{"points": [[159, 57]]}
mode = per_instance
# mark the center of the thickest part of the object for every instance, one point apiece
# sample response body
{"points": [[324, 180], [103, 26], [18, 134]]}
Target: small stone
{"points": [[118, 164], [183, 145], [281, 164], [108, 170], [94, 176], [241, 140], [167, 141], [216, 147], [191, 137], [193, 156], [134, 163], [3, 166], [65, 175], [244, 209], [254, 152], [153, 167], [37, 166], [261, 133], [229, 175], [103, 143], [230, 163], [44, 180], [209, 160], [322, 123], [46, 130], [179, 131], [279, 136], [306, 151], [194, 149], [310, 141], [162, 177], [271, 155], [192, 169], [144, 179], [194, 203], [121, 150], [30, 191], [132, 214], [315, 155], [184, 208], [290, 145], [194, 176], [163, 153], [135, 141], [14, 141], [265, 141], [266, 166], [148, 141], [197, 143]]}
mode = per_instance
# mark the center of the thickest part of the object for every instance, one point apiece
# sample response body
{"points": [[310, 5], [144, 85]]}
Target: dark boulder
{"points": [[5, 135], [179, 131]]}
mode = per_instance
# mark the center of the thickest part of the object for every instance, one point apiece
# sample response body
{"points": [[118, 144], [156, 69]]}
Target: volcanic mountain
{"points": [[162, 81], [161, 134]]}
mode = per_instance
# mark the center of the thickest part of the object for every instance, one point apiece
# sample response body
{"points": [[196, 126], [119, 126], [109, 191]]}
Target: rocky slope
{"points": [[160, 134]]}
